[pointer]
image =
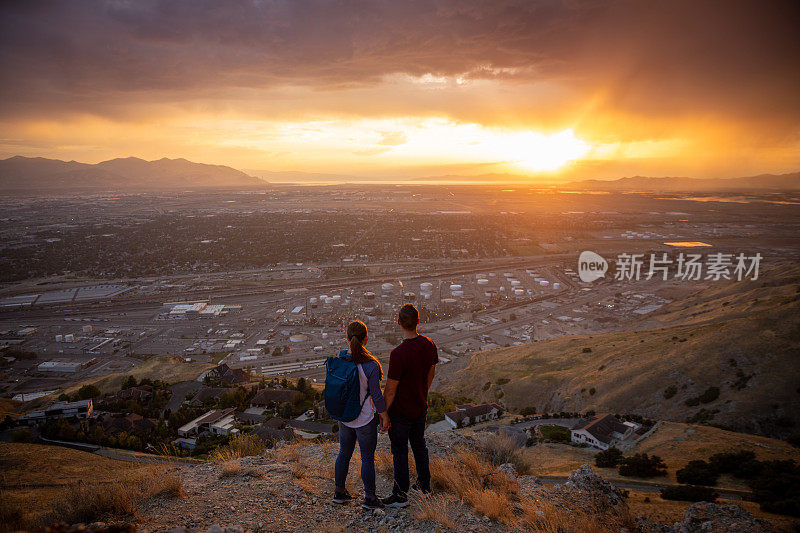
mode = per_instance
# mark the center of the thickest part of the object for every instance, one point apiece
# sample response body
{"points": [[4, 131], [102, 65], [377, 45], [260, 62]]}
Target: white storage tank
{"points": [[387, 286], [483, 281]]}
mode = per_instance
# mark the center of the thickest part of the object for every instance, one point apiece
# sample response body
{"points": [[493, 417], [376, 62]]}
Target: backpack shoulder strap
{"points": [[361, 370]]}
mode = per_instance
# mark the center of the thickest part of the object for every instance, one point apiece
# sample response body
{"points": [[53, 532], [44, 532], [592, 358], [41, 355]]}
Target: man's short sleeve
{"points": [[396, 369], [435, 354]]}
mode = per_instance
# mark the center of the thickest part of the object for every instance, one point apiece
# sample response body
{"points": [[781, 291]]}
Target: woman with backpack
{"points": [[356, 370]]}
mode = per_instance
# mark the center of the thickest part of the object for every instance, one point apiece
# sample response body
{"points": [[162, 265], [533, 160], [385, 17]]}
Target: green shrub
{"points": [[741, 464], [556, 433], [670, 391], [709, 395], [689, 493], [609, 458], [88, 391], [702, 416], [22, 435], [775, 487], [698, 473], [502, 381], [642, 465]]}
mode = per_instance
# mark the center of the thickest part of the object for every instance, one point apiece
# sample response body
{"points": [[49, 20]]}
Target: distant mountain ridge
{"points": [[38, 173], [680, 184]]}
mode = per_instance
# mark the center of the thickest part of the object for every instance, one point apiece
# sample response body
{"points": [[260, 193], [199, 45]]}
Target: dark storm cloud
{"points": [[737, 57]]}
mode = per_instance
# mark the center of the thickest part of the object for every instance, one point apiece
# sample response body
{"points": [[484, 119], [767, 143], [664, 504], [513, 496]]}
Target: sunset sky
{"points": [[392, 89]]}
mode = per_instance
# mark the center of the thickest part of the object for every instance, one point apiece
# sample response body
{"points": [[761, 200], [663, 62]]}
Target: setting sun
{"points": [[538, 152]]}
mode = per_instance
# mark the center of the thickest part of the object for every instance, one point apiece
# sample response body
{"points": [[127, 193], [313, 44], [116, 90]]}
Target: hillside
{"points": [[166, 368], [40, 174], [743, 339], [789, 181], [288, 489]]}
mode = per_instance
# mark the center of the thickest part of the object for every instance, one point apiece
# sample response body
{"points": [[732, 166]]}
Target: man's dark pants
{"points": [[403, 432]]}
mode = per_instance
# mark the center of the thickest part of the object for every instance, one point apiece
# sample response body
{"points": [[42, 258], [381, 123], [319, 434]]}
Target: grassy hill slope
{"points": [[741, 338]]}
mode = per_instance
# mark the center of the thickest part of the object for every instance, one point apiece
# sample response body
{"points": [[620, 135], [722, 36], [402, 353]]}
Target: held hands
{"points": [[384, 420]]}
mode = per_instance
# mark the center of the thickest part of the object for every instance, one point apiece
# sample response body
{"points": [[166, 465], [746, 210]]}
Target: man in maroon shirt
{"points": [[411, 371]]}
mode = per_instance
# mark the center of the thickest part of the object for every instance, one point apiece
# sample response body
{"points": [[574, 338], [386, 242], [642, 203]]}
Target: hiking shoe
{"points": [[341, 497], [396, 500], [372, 503], [425, 491]]}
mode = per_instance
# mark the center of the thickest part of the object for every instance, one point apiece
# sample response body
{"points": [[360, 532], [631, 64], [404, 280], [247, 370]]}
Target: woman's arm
{"points": [[374, 387]]}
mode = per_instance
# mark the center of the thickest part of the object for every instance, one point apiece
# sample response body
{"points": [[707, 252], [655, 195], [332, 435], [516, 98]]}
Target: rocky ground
{"points": [[289, 489]]}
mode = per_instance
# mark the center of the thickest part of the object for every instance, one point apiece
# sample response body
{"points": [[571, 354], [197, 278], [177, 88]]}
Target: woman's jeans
{"points": [[367, 437]]}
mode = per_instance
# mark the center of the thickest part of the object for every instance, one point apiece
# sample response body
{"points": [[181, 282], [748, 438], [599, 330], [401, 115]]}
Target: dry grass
{"points": [[470, 477], [501, 449], [383, 463], [35, 476], [239, 446], [12, 518], [434, 509], [231, 468], [545, 517], [91, 502], [491, 503]]}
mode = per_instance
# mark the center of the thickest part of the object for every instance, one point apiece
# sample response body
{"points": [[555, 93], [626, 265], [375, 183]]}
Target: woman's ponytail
{"points": [[356, 333]]}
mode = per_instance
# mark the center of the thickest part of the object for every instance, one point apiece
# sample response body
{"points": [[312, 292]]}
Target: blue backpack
{"points": [[342, 388]]}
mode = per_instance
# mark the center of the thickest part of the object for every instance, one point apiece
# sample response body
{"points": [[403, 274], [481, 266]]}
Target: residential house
{"points": [[274, 430], [132, 424], [78, 409], [225, 374], [603, 432], [250, 419], [273, 397], [217, 422], [208, 393], [468, 414], [141, 393]]}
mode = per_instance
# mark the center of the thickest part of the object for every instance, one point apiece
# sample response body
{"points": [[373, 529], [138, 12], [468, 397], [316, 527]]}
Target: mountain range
{"points": [[38, 173], [20, 173], [789, 181]]}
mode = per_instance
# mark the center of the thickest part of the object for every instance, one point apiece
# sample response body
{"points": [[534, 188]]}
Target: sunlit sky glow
{"points": [[393, 90]]}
